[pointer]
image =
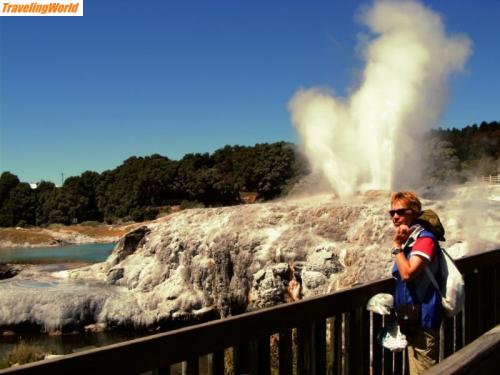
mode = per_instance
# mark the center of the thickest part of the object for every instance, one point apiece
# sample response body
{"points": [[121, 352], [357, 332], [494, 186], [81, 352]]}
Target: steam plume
{"points": [[364, 141]]}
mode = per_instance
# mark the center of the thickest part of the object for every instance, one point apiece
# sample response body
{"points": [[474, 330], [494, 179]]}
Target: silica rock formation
{"points": [[203, 264]]}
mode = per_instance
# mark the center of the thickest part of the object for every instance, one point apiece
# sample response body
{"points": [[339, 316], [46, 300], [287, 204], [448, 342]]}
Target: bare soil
{"points": [[59, 234]]}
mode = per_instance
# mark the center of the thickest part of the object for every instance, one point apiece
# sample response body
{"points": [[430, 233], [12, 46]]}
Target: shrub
{"points": [[191, 204], [22, 224], [144, 213], [24, 353]]}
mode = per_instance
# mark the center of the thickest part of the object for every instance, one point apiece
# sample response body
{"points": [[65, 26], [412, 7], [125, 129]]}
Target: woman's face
{"points": [[402, 214]]}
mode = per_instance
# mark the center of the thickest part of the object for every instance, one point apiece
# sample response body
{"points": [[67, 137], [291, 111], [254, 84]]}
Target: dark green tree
{"points": [[7, 182], [19, 209]]}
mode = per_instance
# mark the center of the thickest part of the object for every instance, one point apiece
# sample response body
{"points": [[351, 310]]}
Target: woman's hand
{"points": [[401, 235]]}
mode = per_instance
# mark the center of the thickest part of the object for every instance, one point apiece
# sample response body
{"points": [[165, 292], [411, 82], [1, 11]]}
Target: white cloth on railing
{"points": [[381, 303]]}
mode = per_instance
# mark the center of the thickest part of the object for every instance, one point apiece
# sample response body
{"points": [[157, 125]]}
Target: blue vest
{"points": [[420, 289]]}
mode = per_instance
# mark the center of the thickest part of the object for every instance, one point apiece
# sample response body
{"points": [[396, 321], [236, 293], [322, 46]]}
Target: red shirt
{"points": [[424, 247]]}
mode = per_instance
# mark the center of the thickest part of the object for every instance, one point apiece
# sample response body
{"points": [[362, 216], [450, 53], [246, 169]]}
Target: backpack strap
{"points": [[433, 280]]}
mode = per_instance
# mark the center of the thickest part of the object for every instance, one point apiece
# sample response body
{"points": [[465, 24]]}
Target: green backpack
{"points": [[430, 221]]}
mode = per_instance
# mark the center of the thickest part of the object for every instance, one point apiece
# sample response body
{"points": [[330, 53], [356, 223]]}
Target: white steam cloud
{"points": [[365, 141]]}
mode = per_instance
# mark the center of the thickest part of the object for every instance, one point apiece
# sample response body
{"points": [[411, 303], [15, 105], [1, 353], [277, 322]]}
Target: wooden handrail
{"points": [[479, 357], [160, 350]]}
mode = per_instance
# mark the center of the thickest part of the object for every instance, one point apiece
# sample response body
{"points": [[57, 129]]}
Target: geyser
{"points": [[363, 141]]}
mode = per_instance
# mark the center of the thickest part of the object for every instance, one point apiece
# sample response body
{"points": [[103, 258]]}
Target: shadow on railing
{"points": [[332, 334]]}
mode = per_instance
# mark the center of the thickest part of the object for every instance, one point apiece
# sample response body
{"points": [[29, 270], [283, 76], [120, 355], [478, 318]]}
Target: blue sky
{"points": [[172, 77]]}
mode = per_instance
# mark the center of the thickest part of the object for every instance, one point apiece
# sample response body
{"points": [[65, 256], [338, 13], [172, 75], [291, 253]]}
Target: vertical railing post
{"points": [[336, 337], [285, 353], [487, 291], [388, 357], [398, 363], [472, 306], [376, 360], [497, 294], [358, 342], [459, 332], [311, 340], [303, 350], [319, 347], [262, 364], [241, 360], [191, 367], [216, 363], [162, 371], [448, 337]]}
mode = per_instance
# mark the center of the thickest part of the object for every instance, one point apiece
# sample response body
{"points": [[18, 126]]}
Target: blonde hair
{"points": [[409, 197]]}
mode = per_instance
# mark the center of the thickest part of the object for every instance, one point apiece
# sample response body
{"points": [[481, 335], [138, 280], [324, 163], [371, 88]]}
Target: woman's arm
{"points": [[408, 269]]}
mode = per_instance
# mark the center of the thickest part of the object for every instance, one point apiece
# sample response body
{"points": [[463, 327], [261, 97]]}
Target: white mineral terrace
{"points": [[219, 261]]}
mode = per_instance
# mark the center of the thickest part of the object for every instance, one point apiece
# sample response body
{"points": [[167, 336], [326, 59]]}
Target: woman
{"points": [[416, 301]]}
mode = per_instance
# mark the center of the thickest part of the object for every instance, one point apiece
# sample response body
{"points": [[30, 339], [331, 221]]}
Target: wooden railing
{"points": [[328, 334], [490, 179], [482, 356]]}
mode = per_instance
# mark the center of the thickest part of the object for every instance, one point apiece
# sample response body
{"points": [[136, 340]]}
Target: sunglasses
{"points": [[400, 211]]}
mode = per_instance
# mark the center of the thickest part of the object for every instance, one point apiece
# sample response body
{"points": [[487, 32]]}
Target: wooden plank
{"points": [[376, 361], [406, 363], [476, 307], [497, 294], [459, 331], [191, 367], [263, 356], [162, 371], [337, 344], [241, 359], [487, 298], [217, 363], [388, 362], [305, 349], [467, 310], [311, 342], [388, 358], [468, 264], [346, 356], [285, 353], [358, 344], [319, 347], [398, 363], [365, 340], [472, 307], [448, 336], [479, 357]]}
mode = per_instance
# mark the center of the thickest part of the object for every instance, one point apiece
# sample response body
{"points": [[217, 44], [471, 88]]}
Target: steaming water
{"points": [[88, 253], [363, 141]]}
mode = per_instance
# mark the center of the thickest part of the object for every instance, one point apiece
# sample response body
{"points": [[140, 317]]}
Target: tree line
{"points": [[457, 155], [141, 186]]}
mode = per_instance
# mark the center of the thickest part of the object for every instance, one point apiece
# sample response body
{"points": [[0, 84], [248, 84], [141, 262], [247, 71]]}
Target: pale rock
{"points": [[203, 264]]}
